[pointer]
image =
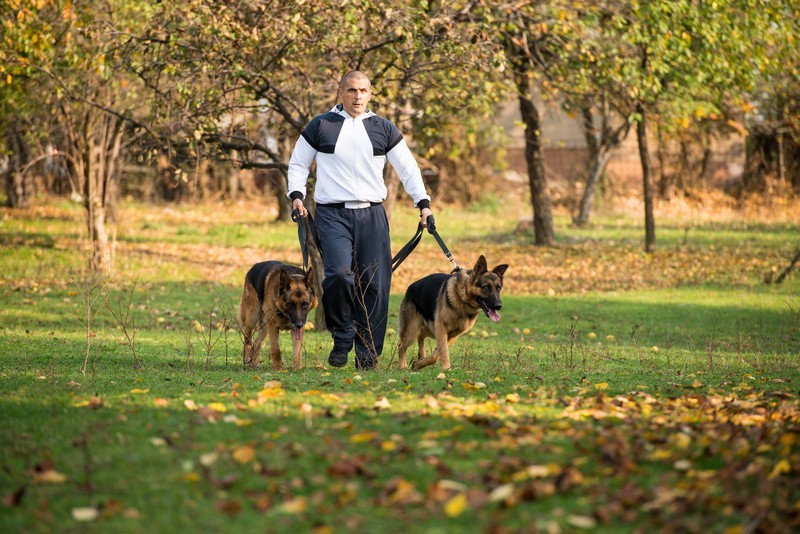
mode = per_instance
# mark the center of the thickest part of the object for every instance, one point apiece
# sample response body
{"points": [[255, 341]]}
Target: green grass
{"points": [[669, 404]]}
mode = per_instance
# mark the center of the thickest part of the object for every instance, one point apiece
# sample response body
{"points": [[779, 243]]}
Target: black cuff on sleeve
{"points": [[424, 203], [294, 195]]}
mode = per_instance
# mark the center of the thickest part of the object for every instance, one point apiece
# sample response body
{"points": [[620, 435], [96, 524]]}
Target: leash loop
{"points": [[414, 241], [302, 235]]}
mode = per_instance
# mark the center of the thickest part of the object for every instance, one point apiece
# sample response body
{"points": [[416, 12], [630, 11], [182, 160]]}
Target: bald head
{"points": [[354, 75], [355, 92]]}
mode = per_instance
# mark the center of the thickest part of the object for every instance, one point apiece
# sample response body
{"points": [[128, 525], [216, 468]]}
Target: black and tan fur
{"points": [[444, 306], [276, 297]]}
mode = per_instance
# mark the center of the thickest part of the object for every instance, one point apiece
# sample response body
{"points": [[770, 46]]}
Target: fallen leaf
{"points": [[244, 454], [297, 505], [383, 403], [456, 506], [50, 476], [582, 521], [85, 514]]}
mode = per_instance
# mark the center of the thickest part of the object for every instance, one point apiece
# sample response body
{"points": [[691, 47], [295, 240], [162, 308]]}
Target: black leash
{"points": [[412, 244], [302, 235]]}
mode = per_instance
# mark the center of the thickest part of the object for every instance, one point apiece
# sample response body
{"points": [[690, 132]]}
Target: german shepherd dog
{"points": [[444, 306], [276, 297]]}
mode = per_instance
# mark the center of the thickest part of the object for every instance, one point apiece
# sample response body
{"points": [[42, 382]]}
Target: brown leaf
{"points": [[15, 498], [229, 507]]}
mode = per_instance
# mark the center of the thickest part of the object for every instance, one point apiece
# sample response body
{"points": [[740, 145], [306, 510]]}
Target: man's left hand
{"points": [[423, 215]]}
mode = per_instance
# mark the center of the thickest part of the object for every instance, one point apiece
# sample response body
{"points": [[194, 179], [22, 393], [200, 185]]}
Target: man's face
{"points": [[355, 94]]}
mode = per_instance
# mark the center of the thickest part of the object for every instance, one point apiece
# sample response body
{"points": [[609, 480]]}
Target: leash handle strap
{"points": [[412, 244], [404, 252], [302, 235]]}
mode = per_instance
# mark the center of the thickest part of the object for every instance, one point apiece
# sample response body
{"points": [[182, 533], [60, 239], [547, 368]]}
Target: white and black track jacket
{"points": [[351, 153]]}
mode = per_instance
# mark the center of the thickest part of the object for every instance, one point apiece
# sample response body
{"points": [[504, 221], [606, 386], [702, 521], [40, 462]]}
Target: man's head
{"points": [[355, 92]]}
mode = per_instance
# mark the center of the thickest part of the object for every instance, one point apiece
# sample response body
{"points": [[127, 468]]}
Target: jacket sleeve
{"points": [[299, 165], [403, 162]]}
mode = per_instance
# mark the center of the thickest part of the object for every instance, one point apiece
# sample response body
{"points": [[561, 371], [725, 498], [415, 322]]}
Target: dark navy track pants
{"points": [[358, 275]]}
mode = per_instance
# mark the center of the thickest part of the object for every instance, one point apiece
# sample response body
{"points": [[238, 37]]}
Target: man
{"points": [[351, 145]]}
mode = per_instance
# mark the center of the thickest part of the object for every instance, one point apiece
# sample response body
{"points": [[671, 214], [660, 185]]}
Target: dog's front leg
{"points": [[247, 349], [297, 350], [442, 345], [255, 350], [274, 347]]}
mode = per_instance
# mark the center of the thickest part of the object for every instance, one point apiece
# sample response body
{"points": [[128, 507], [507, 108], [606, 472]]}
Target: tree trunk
{"points": [[284, 206], [644, 157], [537, 180], [102, 139], [597, 165], [18, 182]]}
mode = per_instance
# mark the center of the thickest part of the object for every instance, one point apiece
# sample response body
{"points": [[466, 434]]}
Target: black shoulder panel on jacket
{"points": [[383, 134], [323, 132]]}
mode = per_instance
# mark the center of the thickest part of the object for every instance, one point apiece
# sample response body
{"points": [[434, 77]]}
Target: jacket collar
{"points": [[339, 110]]}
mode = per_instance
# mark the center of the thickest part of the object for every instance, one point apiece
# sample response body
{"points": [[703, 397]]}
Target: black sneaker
{"points": [[337, 358]]}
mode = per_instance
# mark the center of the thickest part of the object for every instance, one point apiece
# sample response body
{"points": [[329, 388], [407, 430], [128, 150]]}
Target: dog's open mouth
{"points": [[490, 313], [297, 334]]}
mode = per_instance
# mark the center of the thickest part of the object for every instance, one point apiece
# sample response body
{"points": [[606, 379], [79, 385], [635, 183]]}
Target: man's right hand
{"points": [[298, 205]]}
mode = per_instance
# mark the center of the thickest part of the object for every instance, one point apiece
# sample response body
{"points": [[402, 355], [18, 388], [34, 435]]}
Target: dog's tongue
{"points": [[297, 334], [493, 315]]}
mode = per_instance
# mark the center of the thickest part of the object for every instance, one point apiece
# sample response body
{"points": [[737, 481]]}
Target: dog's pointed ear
{"points": [[480, 267], [284, 279], [500, 270], [310, 279]]}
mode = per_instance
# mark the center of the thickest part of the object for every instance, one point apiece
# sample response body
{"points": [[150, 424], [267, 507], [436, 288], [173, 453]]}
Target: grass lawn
{"points": [[620, 391]]}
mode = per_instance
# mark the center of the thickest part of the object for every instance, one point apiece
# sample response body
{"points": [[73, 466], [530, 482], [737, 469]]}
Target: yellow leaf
{"points": [[362, 437], [191, 476], [190, 404], [294, 506], [244, 454], [456, 506], [601, 386], [50, 477], [266, 394], [780, 468], [161, 403], [218, 407], [138, 391]]}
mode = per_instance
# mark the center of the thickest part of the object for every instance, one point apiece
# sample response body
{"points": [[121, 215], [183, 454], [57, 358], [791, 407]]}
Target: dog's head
{"points": [[485, 287], [297, 298]]}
